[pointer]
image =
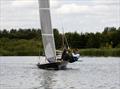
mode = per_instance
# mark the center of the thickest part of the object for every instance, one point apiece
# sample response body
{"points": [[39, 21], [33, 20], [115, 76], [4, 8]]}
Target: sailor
{"points": [[75, 55], [67, 55]]}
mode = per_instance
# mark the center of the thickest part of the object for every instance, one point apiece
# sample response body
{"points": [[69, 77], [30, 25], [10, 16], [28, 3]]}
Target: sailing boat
{"points": [[48, 38]]}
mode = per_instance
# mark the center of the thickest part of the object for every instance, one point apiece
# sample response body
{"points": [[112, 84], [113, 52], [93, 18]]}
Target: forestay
{"points": [[47, 32]]}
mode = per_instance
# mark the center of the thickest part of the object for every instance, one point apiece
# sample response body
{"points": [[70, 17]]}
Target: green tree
{"points": [[58, 39]]}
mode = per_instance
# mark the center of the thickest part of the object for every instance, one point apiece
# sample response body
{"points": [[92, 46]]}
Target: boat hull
{"points": [[53, 66]]}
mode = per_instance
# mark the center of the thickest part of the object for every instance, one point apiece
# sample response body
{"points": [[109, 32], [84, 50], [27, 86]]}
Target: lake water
{"points": [[90, 73]]}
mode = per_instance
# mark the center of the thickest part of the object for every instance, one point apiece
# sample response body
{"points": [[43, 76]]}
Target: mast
{"points": [[64, 40], [46, 30]]}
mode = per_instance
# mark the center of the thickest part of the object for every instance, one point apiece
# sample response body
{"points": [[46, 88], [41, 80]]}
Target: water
{"points": [[90, 73]]}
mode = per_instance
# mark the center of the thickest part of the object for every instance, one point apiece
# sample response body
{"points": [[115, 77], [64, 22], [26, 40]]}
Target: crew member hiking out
{"points": [[67, 55]]}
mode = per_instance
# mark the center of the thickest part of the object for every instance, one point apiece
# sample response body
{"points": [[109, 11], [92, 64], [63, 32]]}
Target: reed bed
{"points": [[100, 52]]}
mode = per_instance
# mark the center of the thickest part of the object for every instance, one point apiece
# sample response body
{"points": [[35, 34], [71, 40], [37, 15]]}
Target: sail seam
{"points": [[47, 34], [44, 8]]}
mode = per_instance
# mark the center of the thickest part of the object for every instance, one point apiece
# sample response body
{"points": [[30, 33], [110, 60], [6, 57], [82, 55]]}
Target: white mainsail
{"points": [[46, 30]]}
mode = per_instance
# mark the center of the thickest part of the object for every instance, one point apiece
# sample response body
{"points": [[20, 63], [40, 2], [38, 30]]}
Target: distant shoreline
{"points": [[28, 42], [103, 52], [113, 52]]}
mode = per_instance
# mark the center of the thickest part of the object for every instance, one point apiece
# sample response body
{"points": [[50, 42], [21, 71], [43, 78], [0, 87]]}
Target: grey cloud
{"points": [[27, 16]]}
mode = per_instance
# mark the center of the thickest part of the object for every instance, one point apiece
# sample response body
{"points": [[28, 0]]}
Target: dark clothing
{"points": [[65, 55], [75, 58], [68, 57]]}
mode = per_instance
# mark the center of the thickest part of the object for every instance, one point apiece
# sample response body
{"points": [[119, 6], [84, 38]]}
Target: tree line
{"points": [[109, 38]]}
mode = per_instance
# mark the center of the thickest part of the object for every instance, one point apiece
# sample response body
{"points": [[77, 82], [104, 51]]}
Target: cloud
{"points": [[107, 2], [55, 3], [72, 8], [90, 7], [25, 3], [84, 15], [21, 3]]}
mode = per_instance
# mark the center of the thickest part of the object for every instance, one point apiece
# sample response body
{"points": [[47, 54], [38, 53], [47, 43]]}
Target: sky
{"points": [[70, 15]]}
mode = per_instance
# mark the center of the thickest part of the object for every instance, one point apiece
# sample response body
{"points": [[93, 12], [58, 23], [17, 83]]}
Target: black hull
{"points": [[53, 66]]}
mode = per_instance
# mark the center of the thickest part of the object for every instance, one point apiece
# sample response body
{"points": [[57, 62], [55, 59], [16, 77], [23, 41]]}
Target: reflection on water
{"points": [[47, 81], [90, 73]]}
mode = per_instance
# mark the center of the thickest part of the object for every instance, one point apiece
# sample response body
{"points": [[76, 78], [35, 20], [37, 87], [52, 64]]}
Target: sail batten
{"points": [[44, 8], [46, 30], [47, 34]]}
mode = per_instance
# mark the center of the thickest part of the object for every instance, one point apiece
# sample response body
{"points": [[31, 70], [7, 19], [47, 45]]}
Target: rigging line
{"points": [[65, 39]]}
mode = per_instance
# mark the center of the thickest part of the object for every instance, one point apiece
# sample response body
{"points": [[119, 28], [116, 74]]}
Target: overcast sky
{"points": [[72, 15]]}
